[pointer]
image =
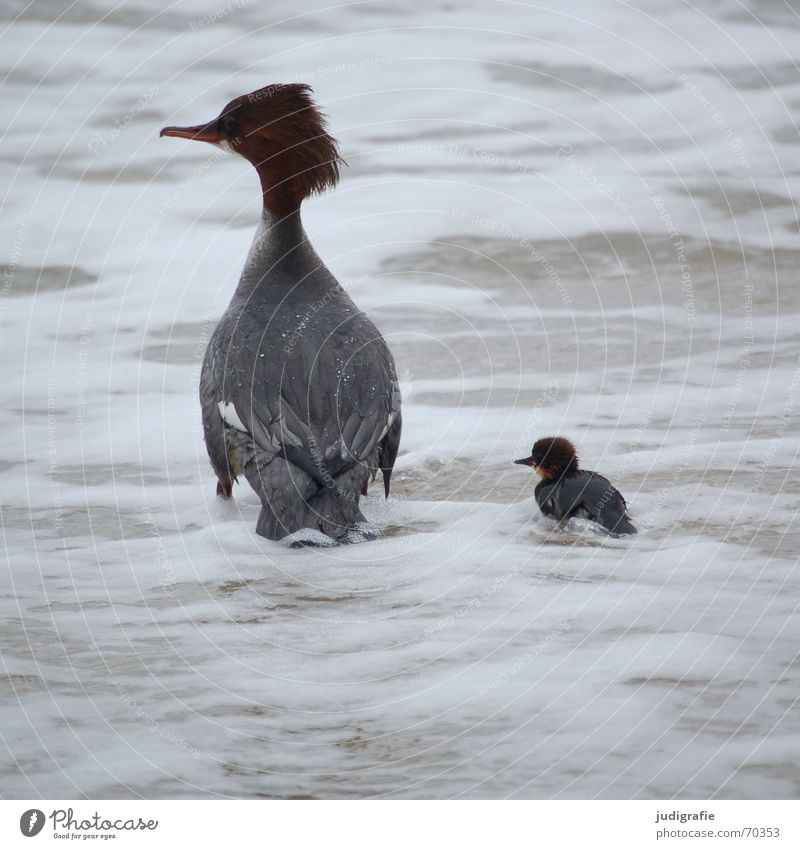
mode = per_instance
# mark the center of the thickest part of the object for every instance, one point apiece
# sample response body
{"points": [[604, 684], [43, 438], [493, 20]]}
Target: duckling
{"points": [[565, 490]]}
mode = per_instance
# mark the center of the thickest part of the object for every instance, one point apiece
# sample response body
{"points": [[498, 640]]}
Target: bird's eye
{"points": [[229, 123]]}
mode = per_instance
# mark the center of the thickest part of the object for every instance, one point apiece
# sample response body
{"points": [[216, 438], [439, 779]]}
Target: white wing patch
{"points": [[390, 422], [230, 416]]}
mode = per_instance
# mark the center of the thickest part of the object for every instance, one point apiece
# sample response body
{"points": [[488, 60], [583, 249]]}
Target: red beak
{"points": [[203, 132]]}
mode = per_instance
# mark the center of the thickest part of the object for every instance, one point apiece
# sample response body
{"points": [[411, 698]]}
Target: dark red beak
{"points": [[203, 132]]}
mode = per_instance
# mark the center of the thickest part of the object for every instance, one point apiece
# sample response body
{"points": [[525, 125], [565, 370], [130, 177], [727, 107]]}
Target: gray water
{"points": [[579, 220]]}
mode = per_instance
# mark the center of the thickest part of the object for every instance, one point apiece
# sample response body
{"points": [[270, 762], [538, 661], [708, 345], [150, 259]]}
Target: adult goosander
{"points": [[298, 388], [566, 490]]}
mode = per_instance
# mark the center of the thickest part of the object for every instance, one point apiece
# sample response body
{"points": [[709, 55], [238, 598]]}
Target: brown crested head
{"points": [[279, 130], [552, 457]]}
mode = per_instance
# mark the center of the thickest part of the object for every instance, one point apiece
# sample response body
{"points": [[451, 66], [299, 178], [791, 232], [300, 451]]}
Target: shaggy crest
{"points": [[280, 131], [555, 455]]}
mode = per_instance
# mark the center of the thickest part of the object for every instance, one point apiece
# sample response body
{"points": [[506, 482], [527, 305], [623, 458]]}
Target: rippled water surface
{"points": [[577, 220]]}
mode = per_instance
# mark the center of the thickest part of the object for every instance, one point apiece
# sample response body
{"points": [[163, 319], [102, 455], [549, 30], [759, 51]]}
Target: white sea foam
{"points": [[575, 223]]}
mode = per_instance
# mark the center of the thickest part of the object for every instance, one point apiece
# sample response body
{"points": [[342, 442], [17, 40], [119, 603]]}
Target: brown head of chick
{"points": [[566, 491]]}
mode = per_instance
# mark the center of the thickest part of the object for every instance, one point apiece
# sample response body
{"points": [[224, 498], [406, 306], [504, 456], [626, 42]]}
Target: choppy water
{"points": [[577, 220]]}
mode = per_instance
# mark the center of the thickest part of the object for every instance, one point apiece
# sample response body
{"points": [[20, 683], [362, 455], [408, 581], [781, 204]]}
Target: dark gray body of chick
{"points": [[585, 495], [298, 390]]}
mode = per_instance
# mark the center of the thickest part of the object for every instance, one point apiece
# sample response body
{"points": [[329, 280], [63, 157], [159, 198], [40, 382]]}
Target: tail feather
{"points": [[322, 513], [292, 500], [623, 527], [387, 452]]}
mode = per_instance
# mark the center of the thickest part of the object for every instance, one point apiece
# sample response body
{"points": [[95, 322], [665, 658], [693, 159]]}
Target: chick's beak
{"points": [[525, 461], [202, 132]]}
